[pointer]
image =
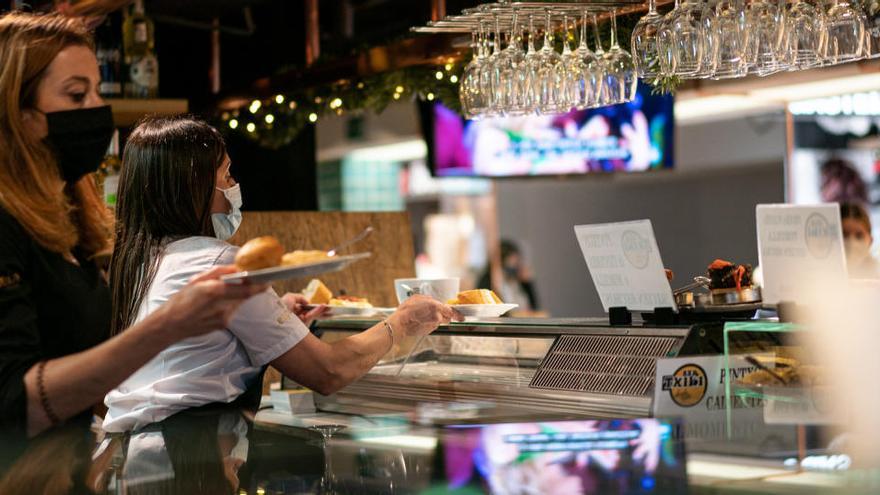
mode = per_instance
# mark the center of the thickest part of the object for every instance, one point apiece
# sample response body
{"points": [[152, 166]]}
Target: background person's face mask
{"points": [[226, 224], [79, 139], [857, 250]]}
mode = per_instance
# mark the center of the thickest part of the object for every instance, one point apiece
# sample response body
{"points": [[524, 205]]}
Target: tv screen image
{"points": [[629, 137], [589, 457]]}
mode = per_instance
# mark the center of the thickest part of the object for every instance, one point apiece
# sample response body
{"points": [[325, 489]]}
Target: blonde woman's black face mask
{"points": [[79, 139]]}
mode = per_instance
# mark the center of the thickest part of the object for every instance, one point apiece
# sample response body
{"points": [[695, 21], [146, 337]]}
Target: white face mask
{"points": [[226, 224], [856, 250]]}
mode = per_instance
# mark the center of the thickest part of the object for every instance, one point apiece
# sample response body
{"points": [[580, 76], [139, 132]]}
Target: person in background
{"points": [[841, 182], [857, 241], [516, 285]]}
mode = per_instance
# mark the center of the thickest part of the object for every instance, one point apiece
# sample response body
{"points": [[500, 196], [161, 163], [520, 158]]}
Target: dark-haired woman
{"points": [[162, 240], [56, 361]]}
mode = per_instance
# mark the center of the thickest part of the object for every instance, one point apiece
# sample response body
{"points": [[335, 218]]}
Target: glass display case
{"points": [[519, 367]]}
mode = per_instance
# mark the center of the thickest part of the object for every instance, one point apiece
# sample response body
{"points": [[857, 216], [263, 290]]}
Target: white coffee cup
{"points": [[441, 289]]}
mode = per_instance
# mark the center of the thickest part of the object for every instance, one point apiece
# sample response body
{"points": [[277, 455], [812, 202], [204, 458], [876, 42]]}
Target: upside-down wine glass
{"points": [[620, 72], [487, 75], [602, 97], [764, 29], [532, 65], [666, 43], [472, 100], [845, 24], [709, 63], [547, 74], [512, 73], [589, 81], [688, 37], [643, 44], [568, 71], [730, 37], [804, 35]]}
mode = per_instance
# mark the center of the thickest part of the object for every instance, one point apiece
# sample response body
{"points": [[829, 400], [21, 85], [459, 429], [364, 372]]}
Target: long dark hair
{"points": [[169, 170]]}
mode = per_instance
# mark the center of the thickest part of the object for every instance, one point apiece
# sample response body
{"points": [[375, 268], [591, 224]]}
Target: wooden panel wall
{"points": [[391, 245]]}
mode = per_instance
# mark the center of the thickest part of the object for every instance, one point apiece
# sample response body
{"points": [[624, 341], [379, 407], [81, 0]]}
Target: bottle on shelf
{"points": [[108, 49], [108, 173], [139, 45]]}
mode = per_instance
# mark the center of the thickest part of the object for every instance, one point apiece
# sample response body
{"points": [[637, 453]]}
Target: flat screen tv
{"points": [[630, 137]]}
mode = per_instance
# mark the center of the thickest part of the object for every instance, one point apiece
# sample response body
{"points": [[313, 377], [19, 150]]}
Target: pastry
{"points": [[259, 252], [303, 257], [790, 371], [350, 302], [476, 296], [726, 275], [317, 293]]}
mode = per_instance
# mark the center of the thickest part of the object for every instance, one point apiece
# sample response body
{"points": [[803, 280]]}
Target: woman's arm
{"points": [[75, 382], [326, 368]]}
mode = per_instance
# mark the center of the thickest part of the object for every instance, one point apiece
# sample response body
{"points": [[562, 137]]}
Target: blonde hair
{"points": [[59, 216]]}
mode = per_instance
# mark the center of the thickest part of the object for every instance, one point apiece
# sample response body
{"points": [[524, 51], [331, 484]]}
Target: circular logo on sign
{"points": [[687, 385], [635, 249], [818, 235]]}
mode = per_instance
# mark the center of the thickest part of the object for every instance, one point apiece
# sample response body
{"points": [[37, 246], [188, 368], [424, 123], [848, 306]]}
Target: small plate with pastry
{"points": [[342, 305], [727, 288], [480, 303], [263, 260]]}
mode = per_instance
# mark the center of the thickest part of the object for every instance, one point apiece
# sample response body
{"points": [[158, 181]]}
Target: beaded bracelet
{"points": [[44, 397]]}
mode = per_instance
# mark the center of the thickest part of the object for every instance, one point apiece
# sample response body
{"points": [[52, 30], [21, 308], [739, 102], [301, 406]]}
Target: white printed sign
{"points": [[800, 249], [625, 265], [693, 388]]}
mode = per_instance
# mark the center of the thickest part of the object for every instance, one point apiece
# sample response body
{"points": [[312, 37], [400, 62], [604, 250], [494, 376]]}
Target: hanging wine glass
{"points": [[548, 76], [666, 43], [709, 63], [763, 28], [602, 97], [512, 74], [730, 36], [472, 100], [646, 55], [589, 80], [845, 24], [568, 71], [488, 77], [803, 36], [532, 65], [498, 62], [620, 72], [687, 37], [872, 30]]}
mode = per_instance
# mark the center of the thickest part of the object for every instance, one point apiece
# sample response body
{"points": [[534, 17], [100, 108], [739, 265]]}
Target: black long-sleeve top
{"points": [[49, 307]]}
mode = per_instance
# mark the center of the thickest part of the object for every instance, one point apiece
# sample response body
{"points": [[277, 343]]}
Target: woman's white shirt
{"points": [[214, 367]]}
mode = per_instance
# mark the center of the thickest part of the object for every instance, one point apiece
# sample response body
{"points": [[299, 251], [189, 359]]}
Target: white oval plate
{"points": [[345, 311], [348, 311], [484, 310], [273, 274]]}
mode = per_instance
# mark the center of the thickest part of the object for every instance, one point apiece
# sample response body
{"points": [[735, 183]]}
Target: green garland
{"points": [[275, 122]]}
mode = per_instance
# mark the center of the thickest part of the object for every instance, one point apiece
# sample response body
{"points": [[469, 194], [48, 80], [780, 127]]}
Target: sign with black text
{"points": [[800, 249], [624, 262]]}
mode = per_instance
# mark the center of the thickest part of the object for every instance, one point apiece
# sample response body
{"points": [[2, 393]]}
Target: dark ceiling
{"points": [[277, 40], [262, 37]]}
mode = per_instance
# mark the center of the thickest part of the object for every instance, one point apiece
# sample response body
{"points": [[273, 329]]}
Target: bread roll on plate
{"points": [[303, 257], [259, 253]]}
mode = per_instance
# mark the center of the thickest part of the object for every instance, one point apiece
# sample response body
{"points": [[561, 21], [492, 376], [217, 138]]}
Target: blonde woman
{"points": [[56, 356]]}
